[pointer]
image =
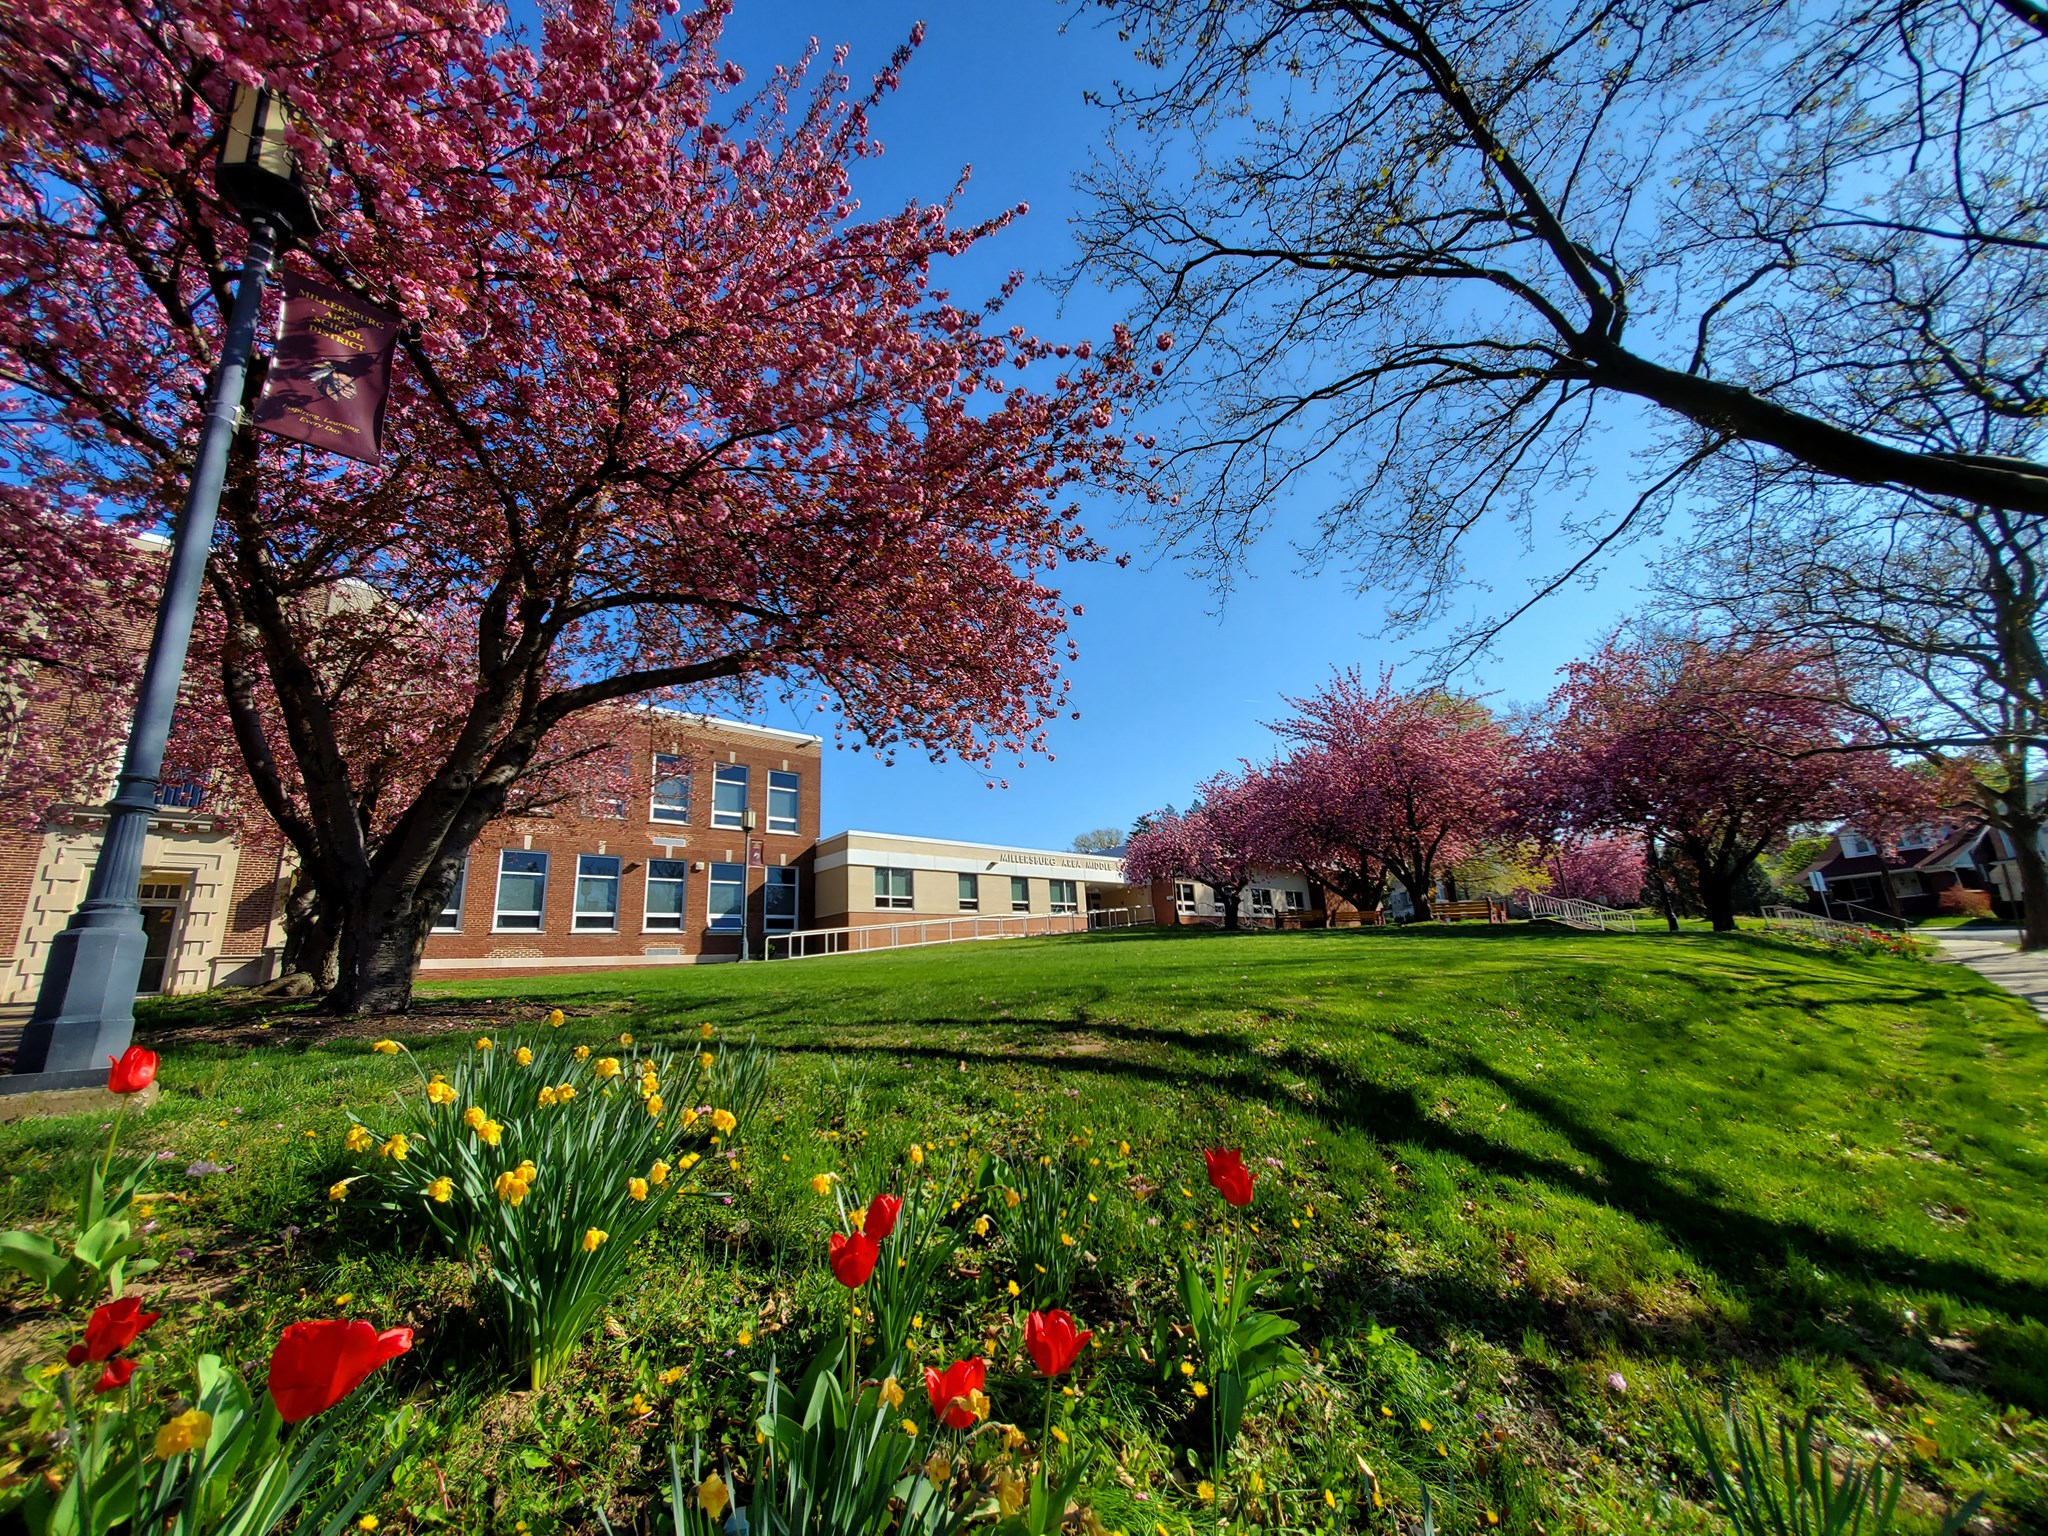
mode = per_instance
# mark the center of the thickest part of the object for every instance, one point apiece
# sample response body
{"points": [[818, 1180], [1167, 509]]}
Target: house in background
{"points": [[1908, 881]]}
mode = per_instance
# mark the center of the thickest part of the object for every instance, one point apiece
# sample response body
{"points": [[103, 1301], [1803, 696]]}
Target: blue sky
{"points": [[1171, 685]]}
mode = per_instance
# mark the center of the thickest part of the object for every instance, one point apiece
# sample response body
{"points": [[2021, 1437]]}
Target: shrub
{"points": [[554, 1161], [1961, 901]]}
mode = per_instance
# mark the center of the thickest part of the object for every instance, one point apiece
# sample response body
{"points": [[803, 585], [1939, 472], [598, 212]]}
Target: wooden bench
{"points": [[1465, 912], [1376, 918]]}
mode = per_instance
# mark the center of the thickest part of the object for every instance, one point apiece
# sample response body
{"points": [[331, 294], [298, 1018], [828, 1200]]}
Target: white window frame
{"points": [[667, 813], [1017, 882], [722, 922], [970, 893], [457, 894], [1070, 904], [780, 781], [886, 898], [1296, 901], [670, 922], [1262, 901], [1184, 897], [577, 914], [498, 909], [721, 775], [781, 874]]}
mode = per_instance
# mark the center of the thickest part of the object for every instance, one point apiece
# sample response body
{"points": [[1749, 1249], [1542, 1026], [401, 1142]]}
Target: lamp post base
{"points": [[40, 1094], [86, 1010]]}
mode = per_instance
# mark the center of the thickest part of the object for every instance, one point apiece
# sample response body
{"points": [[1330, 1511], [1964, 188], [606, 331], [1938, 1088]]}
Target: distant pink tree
{"points": [[1217, 842], [1312, 823], [1716, 747], [1608, 870], [1410, 782]]}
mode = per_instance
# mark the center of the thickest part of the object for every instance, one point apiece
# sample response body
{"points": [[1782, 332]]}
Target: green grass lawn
{"points": [[1533, 1192]]}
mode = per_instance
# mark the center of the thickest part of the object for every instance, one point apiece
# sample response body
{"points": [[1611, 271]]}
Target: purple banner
{"points": [[331, 371]]}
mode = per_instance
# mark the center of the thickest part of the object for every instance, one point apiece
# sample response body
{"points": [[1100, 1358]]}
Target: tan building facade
{"points": [[890, 877]]}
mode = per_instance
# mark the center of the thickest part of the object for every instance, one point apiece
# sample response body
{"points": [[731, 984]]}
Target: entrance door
{"points": [[159, 926]]}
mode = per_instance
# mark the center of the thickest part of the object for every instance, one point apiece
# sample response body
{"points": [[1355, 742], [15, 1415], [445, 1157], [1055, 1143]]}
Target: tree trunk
{"points": [[2033, 890], [379, 952], [1655, 872], [1229, 895], [1717, 895], [312, 937]]}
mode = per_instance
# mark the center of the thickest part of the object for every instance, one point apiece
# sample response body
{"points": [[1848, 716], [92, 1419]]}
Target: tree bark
{"points": [[1229, 895], [312, 937], [1655, 872]]}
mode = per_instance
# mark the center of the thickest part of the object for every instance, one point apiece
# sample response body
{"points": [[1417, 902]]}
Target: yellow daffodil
{"points": [[639, 1403], [690, 1160], [359, 1139], [1123, 1149], [637, 1188], [626, 1038], [654, 1105], [483, 1042], [1330, 1498], [338, 1191], [474, 1117], [523, 1056], [564, 1092], [689, 1117], [442, 1190], [1010, 1491], [723, 1122], [607, 1067], [706, 1060], [595, 1239], [187, 1432], [892, 1392], [1013, 1437], [658, 1173], [511, 1188], [554, 1018], [439, 1092], [938, 1469], [981, 1226], [581, 1053], [491, 1132], [916, 1155], [386, 1047], [977, 1402], [549, 1098], [712, 1497], [704, 1031], [821, 1184], [1012, 1199], [396, 1148]]}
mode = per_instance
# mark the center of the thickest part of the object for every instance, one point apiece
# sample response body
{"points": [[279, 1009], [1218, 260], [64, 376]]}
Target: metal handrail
{"points": [[1869, 917], [867, 938], [1829, 930], [1574, 913]]}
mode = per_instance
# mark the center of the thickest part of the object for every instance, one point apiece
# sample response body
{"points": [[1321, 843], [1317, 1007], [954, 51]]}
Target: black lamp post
{"points": [[85, 1010]]}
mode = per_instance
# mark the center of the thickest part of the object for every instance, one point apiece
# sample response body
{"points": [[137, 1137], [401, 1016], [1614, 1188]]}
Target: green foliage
{"points": [[95, 1250], [1787, 1482], [913, 1256], [1244, 1353], [555, 1161], [244, 1479], [1046, 1207]]}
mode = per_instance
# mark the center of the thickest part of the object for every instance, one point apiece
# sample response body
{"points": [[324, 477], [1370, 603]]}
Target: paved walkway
{"points": [[1993, 954]]}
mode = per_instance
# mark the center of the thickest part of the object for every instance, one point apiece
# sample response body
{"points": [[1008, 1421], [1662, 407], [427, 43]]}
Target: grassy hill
{"points": [[1533, 1192]]}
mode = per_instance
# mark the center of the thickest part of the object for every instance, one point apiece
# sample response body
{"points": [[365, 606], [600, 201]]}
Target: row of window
{"points": [[671, 800], [520, 905], [893, 892], [1261, 898]]}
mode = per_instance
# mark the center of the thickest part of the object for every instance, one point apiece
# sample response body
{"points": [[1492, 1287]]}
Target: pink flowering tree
{"points": [[1217, 842], [1606, 869], [1311, 822], [671, 418], [1717, 748], [1408, 783]]}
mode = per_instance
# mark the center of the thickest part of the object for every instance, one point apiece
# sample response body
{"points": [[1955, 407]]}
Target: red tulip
{"points": [[951, 1405], [317, 1364], [132, 1071], [1232, 1179], [111, 1329], [1052, 1343], [881, 1219], [115, 1376], [853, 1258]]}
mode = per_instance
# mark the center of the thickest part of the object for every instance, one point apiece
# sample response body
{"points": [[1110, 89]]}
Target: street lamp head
{"points": [[748, 820], [258, 173]]}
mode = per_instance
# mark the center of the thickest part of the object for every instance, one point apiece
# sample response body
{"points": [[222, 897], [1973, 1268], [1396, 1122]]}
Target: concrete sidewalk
{"points": [[1993, 954]]}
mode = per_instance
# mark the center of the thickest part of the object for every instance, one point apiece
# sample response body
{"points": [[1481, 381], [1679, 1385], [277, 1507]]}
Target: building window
{"points": [[1262, 901], [892, 888], [522, 891], [729, 795], [1855, 847], [782, 806], [727, 897], [778, 897], [970, 893], [1297, 901], [665, 885], [1064, 899], [450, 920], [1020, 894], [597, 894], [671, 789], [1184, 897]]}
